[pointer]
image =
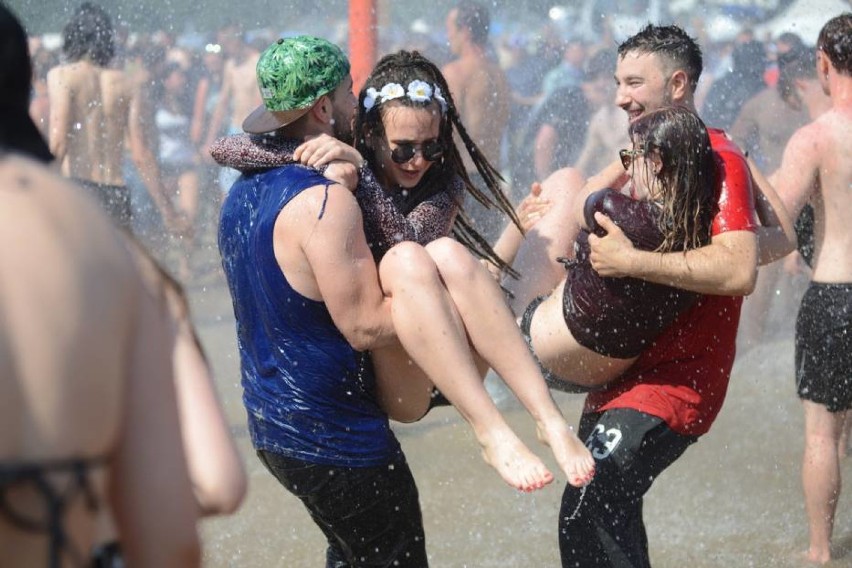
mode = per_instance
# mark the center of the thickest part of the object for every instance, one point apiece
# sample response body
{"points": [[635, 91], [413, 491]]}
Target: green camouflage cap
{"points": [[292, 74]]}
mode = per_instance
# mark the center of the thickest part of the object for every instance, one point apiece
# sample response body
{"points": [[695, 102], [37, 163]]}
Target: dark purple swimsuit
{"points": [[619, 317]]}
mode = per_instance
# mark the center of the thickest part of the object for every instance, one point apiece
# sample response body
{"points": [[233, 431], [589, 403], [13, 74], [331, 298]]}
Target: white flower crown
{"points": [[418, 91]]}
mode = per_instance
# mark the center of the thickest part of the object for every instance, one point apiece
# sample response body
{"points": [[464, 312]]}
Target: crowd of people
{"points": [[495, 192]]}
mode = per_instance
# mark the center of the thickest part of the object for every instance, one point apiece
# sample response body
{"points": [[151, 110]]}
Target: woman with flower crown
{"points": [[410, 186]]}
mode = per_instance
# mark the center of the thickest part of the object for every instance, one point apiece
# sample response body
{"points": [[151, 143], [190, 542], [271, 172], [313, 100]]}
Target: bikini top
{"points": [[57, 500]]}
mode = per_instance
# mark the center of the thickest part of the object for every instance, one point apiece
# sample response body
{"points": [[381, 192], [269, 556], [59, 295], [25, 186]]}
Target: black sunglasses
{"points": [[431, 151], [627, 156]]}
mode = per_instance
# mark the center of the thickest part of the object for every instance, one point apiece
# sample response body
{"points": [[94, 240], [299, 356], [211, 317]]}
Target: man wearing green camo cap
{"points": [[305, 290], [292, 75]]}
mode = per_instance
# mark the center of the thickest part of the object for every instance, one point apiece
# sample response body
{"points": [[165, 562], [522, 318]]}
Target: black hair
{"points": [[89, 33], [17, 131], [678, 50], [835, 41], [688, 176], [474, 17], [402, 67]]}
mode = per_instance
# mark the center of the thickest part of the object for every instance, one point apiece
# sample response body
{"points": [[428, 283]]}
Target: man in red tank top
{"points": [[641, 423]]}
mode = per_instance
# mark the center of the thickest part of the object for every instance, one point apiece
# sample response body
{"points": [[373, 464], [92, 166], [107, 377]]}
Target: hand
{"points": [[344, 173], [325, 149], [611, 254], [532, 207]]}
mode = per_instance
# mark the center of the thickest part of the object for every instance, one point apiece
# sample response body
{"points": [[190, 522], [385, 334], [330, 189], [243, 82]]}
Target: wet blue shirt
{"points": [[309, 395]]}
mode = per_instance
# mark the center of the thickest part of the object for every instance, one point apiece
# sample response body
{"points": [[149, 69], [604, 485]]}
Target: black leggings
{"points": [[601, 525], [370, 515]]}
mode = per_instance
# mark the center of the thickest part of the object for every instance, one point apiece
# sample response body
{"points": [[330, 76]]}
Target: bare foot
{"points": [[515, 463], [812, 557], [571, 454]]}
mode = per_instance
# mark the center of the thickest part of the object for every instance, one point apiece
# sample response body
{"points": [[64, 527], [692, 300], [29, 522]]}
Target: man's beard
{"points": [[342, 130]]}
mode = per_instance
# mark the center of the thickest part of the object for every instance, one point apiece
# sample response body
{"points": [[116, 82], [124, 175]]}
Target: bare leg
{"points": [[495, 336], [821, 476], [560, 353], [432, 334], [187, 201], [551, 237], [843, 442]]}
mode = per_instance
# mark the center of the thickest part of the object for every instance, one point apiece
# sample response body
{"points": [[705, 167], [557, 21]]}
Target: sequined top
{"points": [[384, 222]]}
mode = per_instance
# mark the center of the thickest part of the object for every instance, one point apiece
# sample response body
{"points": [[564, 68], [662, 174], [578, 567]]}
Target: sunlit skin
{"points": [[405, 125], [642, 84]]}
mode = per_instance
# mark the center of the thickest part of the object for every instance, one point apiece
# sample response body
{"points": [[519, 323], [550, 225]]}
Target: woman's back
{"points": [[84, 355]]}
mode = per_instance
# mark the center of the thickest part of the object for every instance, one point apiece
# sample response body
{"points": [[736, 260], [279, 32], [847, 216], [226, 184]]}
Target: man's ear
{"points": [[322, 109], [679, 85], [823, 64]]}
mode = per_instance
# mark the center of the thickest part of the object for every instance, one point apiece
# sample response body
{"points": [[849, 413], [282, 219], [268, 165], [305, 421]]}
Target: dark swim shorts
{"points": [[114, 199], [824, 346], [619, 317]]}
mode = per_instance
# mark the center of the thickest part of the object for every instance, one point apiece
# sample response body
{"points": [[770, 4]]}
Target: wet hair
{"points": [[835, 41], [89, 33], [688, 176], [798, 63], [475, 17], [18, 133], [678, 50], [402, 67]]}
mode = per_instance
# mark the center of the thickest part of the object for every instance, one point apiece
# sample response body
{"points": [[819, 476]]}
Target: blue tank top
{"points": [[308, 394]]}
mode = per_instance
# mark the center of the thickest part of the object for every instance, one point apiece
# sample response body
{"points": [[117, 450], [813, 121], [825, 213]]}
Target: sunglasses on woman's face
{"points": [[627, 156], [431, 151]]}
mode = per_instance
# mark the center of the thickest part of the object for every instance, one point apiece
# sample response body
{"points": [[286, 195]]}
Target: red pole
{"points": [[362, 40]]}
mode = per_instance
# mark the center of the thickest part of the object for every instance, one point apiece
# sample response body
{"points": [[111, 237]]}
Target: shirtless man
{"points": [[238, 96], [92, 109], [817, 167], [479, 88]]}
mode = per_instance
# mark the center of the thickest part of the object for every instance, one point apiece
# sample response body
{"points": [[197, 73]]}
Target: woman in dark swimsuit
{"points": [[591, 328], [91, 334]]}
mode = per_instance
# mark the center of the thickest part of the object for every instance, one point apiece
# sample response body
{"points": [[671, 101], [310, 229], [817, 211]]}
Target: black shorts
{"points": [[600, 525], [370, 515], [114, 199], [824, 346]]}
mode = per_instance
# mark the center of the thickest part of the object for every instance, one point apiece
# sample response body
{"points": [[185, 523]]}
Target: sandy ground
{"points": [[733, 500]]}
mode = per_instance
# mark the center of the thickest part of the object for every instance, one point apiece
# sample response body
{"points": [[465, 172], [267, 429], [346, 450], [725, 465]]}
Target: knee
{"points": [[452, 259], [407, 262], [562, 182]]}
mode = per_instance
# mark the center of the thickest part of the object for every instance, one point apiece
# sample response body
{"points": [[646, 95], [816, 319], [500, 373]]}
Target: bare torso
{"points": [[89, 110], [60, 397], [479, 90], [832, 139], [243, 88], [85, 374]]}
